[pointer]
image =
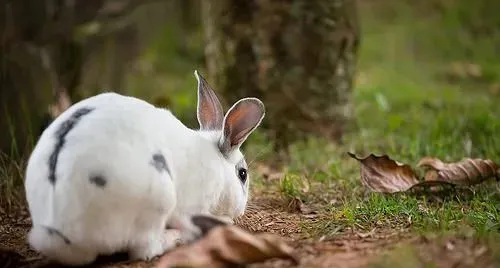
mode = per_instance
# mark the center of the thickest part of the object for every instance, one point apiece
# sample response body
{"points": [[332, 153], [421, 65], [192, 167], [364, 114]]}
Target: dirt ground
{"points": [[267, 214]]}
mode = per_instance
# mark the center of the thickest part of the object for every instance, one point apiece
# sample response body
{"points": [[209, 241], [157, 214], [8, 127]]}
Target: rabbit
{"points": [[111, 172]]}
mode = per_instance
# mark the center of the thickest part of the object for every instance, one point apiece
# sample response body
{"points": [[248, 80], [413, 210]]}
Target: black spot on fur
{"points": [[159, 162], [100, 181], [61, 133], [206, 223], [53, 231]]}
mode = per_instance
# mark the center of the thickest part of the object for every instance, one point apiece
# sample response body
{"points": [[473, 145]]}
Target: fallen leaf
{"points": [[227, 246], [296, 205], [466, 172], [382, 174]]}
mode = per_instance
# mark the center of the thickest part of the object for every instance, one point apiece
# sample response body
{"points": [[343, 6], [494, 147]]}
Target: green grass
{"points": [[479, 210], [11, 180]]}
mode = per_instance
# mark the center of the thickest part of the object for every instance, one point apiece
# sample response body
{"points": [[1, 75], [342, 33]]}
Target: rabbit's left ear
{"points": [[210, 113], [240, 121], [62, 103]]}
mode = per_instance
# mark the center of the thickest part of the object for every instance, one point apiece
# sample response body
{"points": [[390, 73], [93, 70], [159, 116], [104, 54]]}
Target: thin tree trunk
{"points": [[298, 56]]}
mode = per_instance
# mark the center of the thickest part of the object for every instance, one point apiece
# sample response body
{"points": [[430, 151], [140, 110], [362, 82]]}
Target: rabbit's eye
{"points": [[242, 174]]}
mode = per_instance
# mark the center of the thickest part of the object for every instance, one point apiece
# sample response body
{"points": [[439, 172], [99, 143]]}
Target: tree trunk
{"points": [[298, 56]]}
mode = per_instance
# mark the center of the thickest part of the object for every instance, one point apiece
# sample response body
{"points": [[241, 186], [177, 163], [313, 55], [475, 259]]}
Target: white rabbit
{"points": [[111, 172]]}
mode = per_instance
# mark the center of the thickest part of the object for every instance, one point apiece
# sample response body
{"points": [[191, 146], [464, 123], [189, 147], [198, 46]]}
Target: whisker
{"points": [[259, 154]]}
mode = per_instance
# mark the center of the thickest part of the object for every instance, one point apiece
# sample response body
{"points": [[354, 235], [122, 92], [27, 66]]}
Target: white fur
{"points": [[117, 141]]}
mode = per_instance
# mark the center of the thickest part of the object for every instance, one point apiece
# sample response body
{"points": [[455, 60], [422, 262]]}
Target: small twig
{"points": [[427, 184]]}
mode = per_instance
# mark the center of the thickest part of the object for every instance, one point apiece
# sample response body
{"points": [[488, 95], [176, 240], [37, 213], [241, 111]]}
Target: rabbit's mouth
{"points": [[225, 213]]}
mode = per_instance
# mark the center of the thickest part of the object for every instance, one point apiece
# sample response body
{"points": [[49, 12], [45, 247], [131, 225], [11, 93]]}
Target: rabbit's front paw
{"points": [[190, 235], [171, 238], [187, 230], [156, 245]]}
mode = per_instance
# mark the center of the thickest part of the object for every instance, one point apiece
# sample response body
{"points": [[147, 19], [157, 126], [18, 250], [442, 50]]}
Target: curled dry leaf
{"points": [[382, 174], [466, 172], [227, 246], [296, 205]]}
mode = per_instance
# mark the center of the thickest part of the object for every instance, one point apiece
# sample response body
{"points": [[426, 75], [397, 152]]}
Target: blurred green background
{"points": [[422, 77]]}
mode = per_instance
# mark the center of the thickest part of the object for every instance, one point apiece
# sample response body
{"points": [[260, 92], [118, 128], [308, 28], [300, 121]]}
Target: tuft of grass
{"points": [[11, 181], [294, 186]]}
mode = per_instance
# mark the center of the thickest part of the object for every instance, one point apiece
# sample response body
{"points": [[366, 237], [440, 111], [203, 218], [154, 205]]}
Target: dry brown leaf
{"points": [[466, 172], [227, 246], [296, 205], [382, 174]]}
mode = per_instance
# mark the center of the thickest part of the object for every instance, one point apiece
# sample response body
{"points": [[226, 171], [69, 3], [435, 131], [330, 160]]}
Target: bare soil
{"points": [[268, 213]]}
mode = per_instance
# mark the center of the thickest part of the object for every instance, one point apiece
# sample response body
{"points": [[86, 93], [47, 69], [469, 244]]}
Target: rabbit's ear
{"points": [[62, 103], [210, 114], [239, 122]]}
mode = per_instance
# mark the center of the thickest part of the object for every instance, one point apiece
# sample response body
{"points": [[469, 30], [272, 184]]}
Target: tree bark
{"points": [[297, 56]]}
